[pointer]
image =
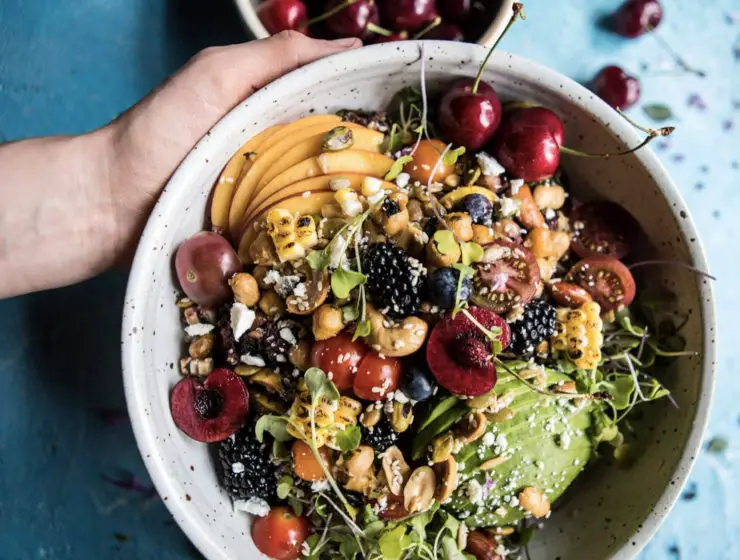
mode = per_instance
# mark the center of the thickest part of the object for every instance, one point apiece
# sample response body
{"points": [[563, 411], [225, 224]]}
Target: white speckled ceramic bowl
{"points": [[248, 10], [615, 512]]}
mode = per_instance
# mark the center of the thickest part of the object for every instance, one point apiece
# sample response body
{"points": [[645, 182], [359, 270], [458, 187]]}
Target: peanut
{"points": [[245, 288]]}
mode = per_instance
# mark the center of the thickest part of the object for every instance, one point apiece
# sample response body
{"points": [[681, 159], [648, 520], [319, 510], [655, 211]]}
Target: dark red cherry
{"points": [[408, 15], [550, 119], [445, 32], [616, 87], [353, 20], [637, 17], [469, 119], [526, 145], [279, 15], [458, 11]]}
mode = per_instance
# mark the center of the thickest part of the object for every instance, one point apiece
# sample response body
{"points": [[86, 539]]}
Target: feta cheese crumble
{"points": [[198, 329], [255, 506], [241, 319]]}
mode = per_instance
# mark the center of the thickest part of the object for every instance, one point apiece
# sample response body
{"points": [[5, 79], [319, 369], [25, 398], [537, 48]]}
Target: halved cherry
{"points": [[602, 228], [377, 377], [459, 353], [394, 508], [507, 276], [339, 358], [608, 281]]}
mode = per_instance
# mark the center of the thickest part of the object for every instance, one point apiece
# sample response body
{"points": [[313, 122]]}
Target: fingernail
{"points": [[347, 42]]}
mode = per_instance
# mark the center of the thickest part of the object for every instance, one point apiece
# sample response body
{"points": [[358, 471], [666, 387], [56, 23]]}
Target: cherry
{"points": [[279, 15], [409, 14], [446, 32], [458, 11], [357, 19], [526, 145], [616, 87], [542, 115], [470, 113], [637, 17]]}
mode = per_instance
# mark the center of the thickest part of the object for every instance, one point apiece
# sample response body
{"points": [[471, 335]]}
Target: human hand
{"points": [[71, 207]]}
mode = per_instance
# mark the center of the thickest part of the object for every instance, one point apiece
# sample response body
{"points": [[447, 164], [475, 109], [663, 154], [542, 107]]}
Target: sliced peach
{"points": [[354, 161], [310, 204], [364, 139], [291, 135], [225, 186], [451, 199]]}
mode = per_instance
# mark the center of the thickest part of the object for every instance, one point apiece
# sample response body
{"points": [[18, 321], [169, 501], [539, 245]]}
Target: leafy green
{"points": [[343, 281], [440, 424], [620, 387], [277, 426], [450, 550], [397, 167], [348, 439], [349, 313], [445, 241], [285, 485], [443, 404], [319, 385], [450, 158], [362, 329], [318, 260], [471, 252], [393, 543]]}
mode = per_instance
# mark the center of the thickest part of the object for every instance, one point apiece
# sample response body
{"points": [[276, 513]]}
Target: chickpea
{"points": [[545, 243], [507, 229], [300, 355], [327, 322], [483, 235], [272, 304], [438, 259], [395, 222], [461, 225], [245, 288], [549, 196], [425, 159]]}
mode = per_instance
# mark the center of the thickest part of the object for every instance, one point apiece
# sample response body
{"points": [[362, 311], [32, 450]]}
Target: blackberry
{"points": [[247, 470], [381, 436], [536, 325], [272, 341], [393, 279]]}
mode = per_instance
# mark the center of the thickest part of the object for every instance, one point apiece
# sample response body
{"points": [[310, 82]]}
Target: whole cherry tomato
{"points": [[338, 357], [280, 534], [377, 377]]}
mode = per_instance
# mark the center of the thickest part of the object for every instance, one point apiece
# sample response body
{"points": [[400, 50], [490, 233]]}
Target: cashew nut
{"points": [[447, 479], [396, 469], [419, 490], [317, 289], [401, 340]]}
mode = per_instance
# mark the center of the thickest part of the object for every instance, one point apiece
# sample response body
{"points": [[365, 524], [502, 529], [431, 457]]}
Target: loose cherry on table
{"points": [[616, 87], [408, 14], [280, 15], [637, 17]]}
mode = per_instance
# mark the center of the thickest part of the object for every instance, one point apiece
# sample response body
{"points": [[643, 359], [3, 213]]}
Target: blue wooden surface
{"points": [[66, 67]]}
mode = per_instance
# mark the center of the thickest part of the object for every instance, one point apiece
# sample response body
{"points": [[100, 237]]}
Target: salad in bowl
{"points": [[408, 332]]}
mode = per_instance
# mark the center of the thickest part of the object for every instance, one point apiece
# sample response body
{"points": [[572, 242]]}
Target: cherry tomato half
{"points": [[305, 464], [338, 357], [507, 276], [280, 534], [602, 228], [608, 281], [377, 377], [425, 158]]}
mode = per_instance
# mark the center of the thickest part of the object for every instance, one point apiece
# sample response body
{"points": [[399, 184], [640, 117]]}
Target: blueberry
{"points": [[442, 287], [479, 208], [418, 384]]}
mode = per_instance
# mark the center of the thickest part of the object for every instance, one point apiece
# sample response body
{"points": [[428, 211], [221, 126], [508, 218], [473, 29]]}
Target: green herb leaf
{"points": [[362, 329], [441, 424], [285, 485], [319, 385], [295, 504], [420, 521], [343, 281], [717, 445], [350, 313], [348, 439], [277, 426], [450, 550], [348, 548], [471, 252], [620, 387], [445, 241], [397, 167], [658, 112], [280, 451], [450, 158], [318, 260], [392, 543]]}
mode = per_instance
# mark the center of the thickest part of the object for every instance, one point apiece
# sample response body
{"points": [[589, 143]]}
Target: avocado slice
{"points": [[546, 445]]}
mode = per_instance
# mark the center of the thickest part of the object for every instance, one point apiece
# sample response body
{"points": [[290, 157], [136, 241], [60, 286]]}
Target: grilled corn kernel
{"points": [[281, 225], [578, 333], [305, 232], [349, 201]]}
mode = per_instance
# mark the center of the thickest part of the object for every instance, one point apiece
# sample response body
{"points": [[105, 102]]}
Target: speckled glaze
{"points": [[612, 513], [248, 9]]}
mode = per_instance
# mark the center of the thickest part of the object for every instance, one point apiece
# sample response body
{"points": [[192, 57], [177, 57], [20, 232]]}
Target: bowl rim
{"points": [[254, 24], [139, 283]]}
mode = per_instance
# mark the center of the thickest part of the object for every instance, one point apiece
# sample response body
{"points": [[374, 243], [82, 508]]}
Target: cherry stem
{"points": [[327, 14], [428, 28], [377, 30], [677, 58], [518, 12]]}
